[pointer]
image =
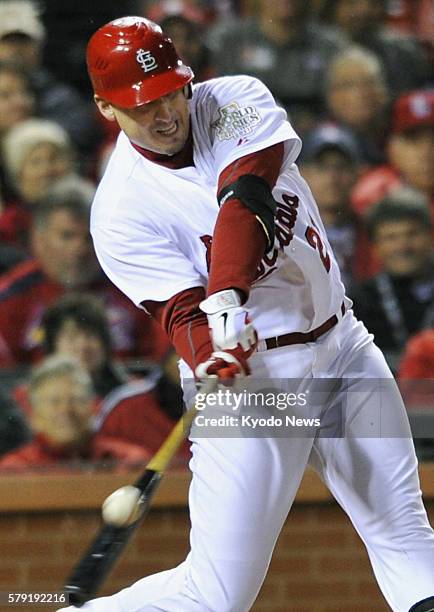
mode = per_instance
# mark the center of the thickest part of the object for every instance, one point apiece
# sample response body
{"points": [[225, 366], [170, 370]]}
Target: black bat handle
{"points": [[104, 550]]}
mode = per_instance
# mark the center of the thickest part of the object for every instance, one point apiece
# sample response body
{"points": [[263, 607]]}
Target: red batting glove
{"points": [[224, 364]]}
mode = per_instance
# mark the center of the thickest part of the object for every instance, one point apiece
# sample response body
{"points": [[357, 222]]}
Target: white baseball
{"points": [[122, 508]]}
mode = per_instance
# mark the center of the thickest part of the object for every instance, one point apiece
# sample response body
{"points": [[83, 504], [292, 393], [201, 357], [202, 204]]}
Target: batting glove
{"points": [[233, 336], [223, 364], [229, 323]]}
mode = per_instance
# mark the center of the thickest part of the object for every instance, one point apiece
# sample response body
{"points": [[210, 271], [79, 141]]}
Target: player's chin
{"points": [[172, 142]]}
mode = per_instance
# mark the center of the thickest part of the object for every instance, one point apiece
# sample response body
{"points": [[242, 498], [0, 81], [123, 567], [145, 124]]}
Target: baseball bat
{"points": [[92, 569]]}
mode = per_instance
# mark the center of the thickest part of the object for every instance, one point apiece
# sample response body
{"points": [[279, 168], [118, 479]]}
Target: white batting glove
{"points": [[229, 322], [233, 336]]}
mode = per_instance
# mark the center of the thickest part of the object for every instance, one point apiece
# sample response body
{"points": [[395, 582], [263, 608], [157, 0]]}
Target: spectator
{"points": [[77, 325], [410, 153], [64, 260], [139, 410], [17, 100], [418, 358], [330, 161], [21, 39], [14, 430], [197, 11], [412, 17], [36, 153], [62, 424], [10, 256], [284, 49], [16, 105], [364, 23], [399, 301], [188, 40], [416, 374], [357, 98], [68, 28]]}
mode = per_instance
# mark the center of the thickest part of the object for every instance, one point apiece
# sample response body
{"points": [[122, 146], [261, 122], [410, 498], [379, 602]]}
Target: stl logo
{"points": [[146, 60]]}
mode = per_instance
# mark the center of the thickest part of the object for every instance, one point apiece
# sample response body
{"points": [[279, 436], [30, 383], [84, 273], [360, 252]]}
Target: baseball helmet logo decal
{"points": [[146, 60], [132, 62]]}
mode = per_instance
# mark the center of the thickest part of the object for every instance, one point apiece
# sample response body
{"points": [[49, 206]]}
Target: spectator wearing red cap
{"points": [[418, 358], [416, 382], [412, 17], [410, 153]]}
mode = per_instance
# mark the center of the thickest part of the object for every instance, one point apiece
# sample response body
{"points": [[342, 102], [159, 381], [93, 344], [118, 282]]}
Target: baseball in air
{"points": [[122, 508]]}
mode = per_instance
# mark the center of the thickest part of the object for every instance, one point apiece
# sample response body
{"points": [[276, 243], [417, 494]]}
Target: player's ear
{"points": [[105, 108]]}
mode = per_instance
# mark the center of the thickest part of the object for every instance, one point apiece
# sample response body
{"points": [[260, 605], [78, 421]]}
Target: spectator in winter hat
{"points": [[36, 153], [22, 36]]}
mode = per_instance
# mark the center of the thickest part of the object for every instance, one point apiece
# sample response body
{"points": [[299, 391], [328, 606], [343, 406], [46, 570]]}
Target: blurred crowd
{"points": [[84, 375]]}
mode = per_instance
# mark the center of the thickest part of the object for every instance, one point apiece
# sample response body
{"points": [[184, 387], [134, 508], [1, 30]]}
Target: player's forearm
{"points": [[240, 237], [239, 243], [185, 324]]}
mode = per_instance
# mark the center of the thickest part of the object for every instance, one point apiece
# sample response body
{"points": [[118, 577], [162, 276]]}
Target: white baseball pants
{"points": [[243, 488]]}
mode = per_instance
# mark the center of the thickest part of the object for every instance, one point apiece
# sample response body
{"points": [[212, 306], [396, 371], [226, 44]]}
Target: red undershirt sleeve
{"points": [[239, 241], [185, 324]]}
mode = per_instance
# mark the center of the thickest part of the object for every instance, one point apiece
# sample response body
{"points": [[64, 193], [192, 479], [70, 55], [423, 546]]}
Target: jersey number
{"points": [[314, 239]]}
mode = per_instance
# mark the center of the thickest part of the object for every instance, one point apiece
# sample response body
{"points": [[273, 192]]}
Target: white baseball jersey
{"points": [[152, 225]]}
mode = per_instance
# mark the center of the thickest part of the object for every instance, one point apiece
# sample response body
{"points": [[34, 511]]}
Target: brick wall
{"points": [[319, 563]]}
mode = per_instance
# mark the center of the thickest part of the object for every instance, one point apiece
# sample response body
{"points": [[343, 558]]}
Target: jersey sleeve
{"points": [[245, 119], [143, 264]]}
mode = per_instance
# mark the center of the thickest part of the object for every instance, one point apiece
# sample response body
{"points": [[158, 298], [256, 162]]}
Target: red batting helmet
{"points": [[132, 62]]}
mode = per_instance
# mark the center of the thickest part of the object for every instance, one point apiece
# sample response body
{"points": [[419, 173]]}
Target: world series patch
{"points": [[235, 121]]}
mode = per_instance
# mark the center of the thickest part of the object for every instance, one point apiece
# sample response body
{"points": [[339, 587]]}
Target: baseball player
{"points": [[204, 221]]}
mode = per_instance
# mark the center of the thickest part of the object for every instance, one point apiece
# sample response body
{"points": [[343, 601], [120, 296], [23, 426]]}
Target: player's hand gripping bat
{"points": [[94, 566]]}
